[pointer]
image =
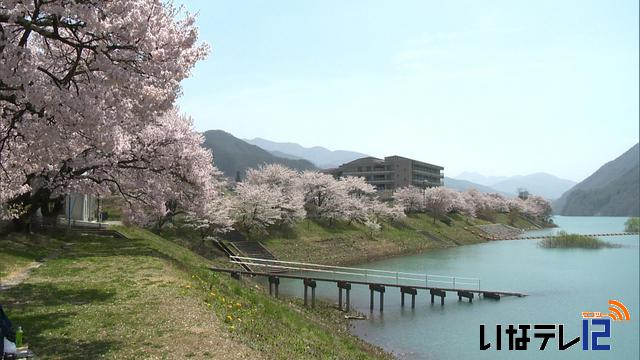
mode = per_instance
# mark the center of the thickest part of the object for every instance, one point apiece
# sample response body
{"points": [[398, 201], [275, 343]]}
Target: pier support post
{"points": [[347, 300], [370, 298], [275, 281], [380, 289], [343, 285], [310, 283], [411, 291], [465, 294], [437, 292]]}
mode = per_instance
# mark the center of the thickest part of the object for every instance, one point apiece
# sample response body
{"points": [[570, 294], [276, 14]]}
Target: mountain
{"points": [[477, 178], [613, 190], [545, 185], [464, 185], [285, 155], [232, 154], [321, 157], [542, 184]]}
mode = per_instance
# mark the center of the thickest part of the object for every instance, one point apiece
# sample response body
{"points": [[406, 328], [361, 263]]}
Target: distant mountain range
{"points": [[613, 190], [319, 156], [477, 178], [232, 155], [542, 184], [464, 185]]}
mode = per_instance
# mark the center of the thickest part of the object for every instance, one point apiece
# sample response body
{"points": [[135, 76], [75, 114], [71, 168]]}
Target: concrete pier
{"points": [[275, 282], [310, 283], [408, 290], [437, 292], [347, 287], [380, 289], [465, 294]]}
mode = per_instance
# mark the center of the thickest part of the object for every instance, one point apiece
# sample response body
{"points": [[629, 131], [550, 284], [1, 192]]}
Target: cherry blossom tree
{"points": [[356, 198], [481, 203], [215, 218], [438, 201], [322, 195], [463, 204], [282, 181], [411, 198], [348, 198], [167, 172], [255, 208], [539, 207], [84, 86]]}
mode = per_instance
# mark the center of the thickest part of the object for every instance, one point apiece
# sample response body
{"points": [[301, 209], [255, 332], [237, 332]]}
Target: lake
{"points": [[560, 284]]}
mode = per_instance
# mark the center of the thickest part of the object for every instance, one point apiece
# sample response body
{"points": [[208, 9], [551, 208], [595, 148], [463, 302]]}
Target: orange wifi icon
{"points": [[619, 312]]}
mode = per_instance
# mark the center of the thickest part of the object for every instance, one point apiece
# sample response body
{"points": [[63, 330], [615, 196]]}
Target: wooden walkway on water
{"points": [[377, 280], [592, 235]]}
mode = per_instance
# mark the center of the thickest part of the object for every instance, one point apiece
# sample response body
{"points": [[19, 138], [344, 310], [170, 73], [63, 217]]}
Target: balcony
{"points": [[364, 173], [429, 173]]}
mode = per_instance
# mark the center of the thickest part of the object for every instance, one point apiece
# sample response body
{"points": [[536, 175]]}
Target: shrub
{"points": [[632, 224], [565, 240]]}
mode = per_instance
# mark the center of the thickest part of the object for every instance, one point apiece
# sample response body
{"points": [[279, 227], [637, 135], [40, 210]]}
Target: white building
{"points": [[81, 207]]}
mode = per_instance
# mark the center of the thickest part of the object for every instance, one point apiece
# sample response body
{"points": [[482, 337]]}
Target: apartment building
{"points": [[392, 172]]}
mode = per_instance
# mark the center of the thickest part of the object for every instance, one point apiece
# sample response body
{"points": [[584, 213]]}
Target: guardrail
{"points": [[371, 275]]}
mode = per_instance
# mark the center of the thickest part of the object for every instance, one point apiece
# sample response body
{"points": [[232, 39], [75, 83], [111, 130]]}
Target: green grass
{"points": [[113, 206], [18, 251], [565, 240], [151, 298], [342, 243], [518, 221]]}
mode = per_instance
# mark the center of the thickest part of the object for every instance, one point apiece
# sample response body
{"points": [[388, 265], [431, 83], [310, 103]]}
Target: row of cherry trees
{"points": [[440, 201], [276, 196]]}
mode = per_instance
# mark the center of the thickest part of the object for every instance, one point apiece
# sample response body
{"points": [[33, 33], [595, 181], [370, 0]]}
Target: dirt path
{"points": [[18, 277]]}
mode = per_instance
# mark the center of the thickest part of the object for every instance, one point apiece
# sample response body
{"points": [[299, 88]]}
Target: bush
{"points": [[565, 240], [632, 225]]}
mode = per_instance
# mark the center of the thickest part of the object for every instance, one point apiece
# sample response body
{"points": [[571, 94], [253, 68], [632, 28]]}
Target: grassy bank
{"points": [[151, 298], [341, 243], [566, 241]]}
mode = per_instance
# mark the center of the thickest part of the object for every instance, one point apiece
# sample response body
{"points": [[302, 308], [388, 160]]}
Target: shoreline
{"points": [[350, 245]]}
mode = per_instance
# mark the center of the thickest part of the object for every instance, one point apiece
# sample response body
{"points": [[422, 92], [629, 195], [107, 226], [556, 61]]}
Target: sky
{"points": [[495, 87]]}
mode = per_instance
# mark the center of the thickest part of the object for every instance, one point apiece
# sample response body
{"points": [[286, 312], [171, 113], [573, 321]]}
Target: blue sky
{"points": [[496, 87]]}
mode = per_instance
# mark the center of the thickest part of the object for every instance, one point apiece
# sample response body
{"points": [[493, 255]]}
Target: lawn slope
{"points": [[146, 298], [345, 244]]}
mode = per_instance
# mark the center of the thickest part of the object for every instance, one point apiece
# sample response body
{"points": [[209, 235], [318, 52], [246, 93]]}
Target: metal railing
{"points": [[369, 275]]}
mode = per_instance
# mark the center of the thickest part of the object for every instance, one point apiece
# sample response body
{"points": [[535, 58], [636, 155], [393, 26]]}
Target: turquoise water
{"points": [[560, 283]]}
